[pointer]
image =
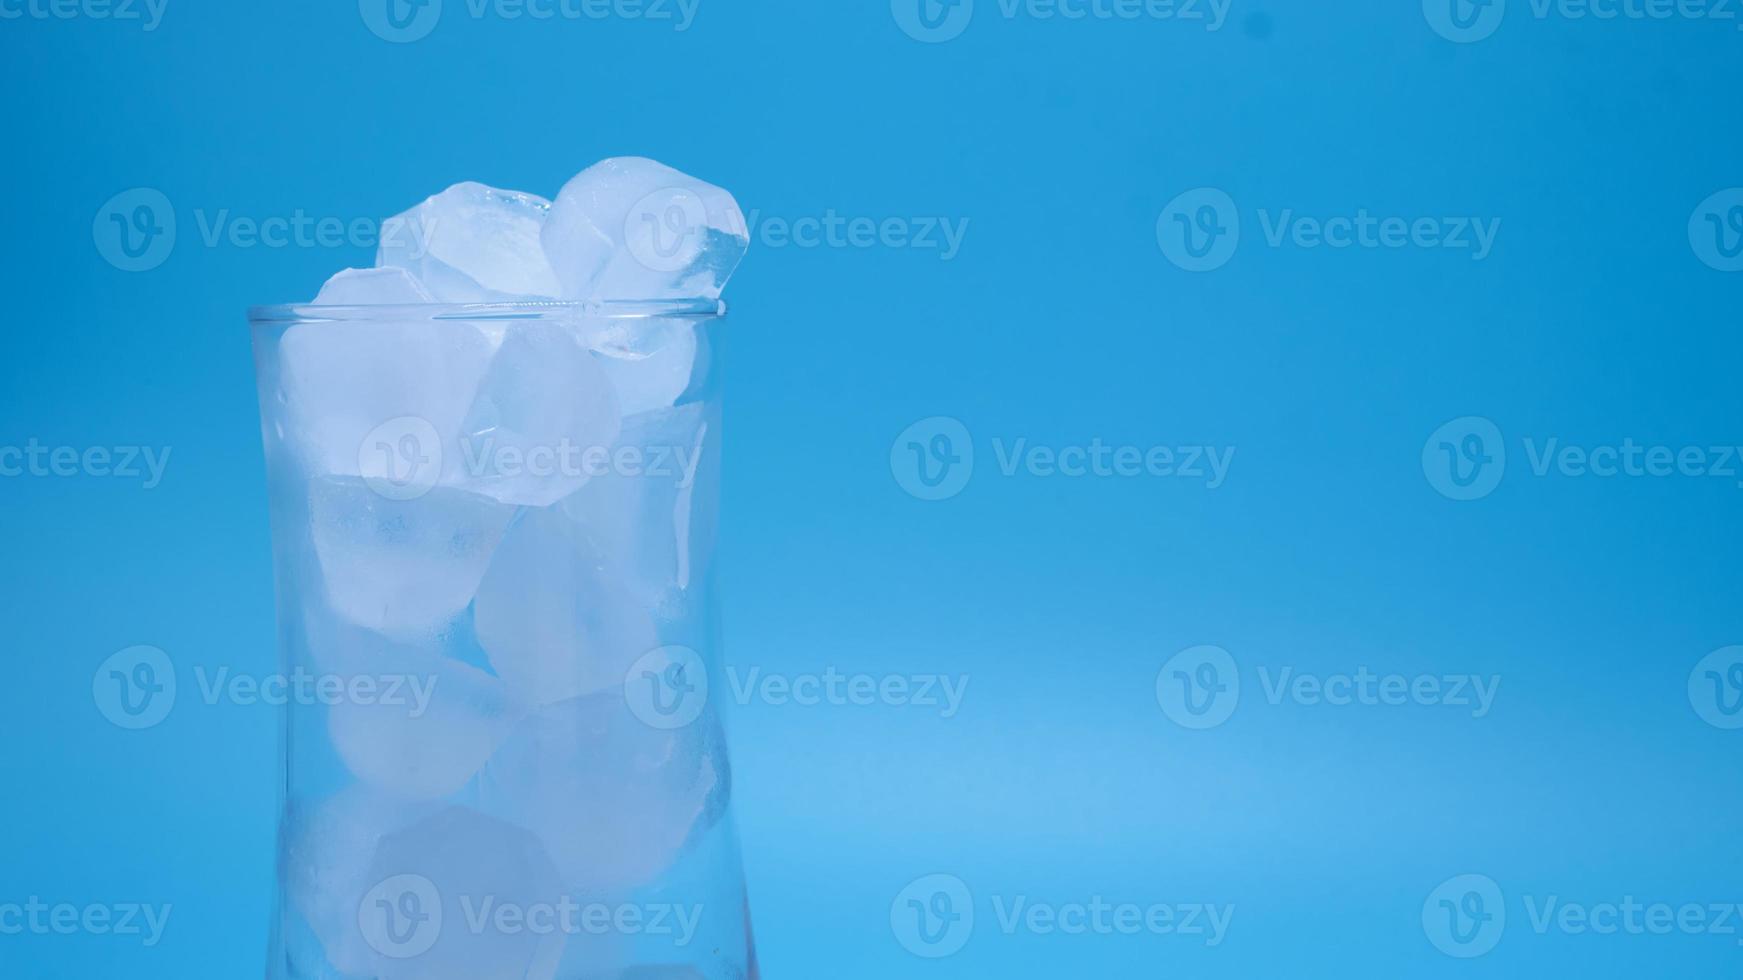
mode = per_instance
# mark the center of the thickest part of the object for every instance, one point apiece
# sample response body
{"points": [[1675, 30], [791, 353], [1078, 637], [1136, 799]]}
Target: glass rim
{"points": [[700, 309]]}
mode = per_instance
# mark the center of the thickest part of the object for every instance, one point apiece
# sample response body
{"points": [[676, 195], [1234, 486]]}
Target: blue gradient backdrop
{"points": [[1062, 319]]}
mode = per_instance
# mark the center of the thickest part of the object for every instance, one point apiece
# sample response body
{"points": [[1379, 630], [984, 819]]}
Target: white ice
{"points": [[629, 228], [498, 893], [555, 622], [650, 362], [613, 798], [473, 244], [402, 567], [423, 725], [373, 287], [352, 389], [543, 414], [640, 522], [328, 845]]}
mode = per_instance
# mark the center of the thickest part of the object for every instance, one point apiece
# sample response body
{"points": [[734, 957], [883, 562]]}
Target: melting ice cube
{"points": [[402, 567], [555, 622], [328, 845], [411, 723], [630, 228], [462, 896], [373, 287], [544, 414], [640, 520], [473, 244], [613, 798], [379, 398], [650, 362]]}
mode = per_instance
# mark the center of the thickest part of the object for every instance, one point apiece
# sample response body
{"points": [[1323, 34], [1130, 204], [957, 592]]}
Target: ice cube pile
{"points": [[474, 530]]}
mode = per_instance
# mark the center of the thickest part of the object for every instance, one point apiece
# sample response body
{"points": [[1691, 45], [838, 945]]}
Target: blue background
{"points": [[1060, 321]]}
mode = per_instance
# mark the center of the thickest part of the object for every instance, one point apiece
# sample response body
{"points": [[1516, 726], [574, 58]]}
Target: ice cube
{"points": [[411, 723], [328, 847], [372, 287], [613, 798], [638, 519], [554, 621], [543, 415], [630, 228], [463, 896], [473, 244], [402, 567], [650, 361], [379, 398]]}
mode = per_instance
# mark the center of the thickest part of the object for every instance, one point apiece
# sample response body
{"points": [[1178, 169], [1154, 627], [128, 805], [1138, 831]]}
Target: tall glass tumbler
{"points": [[493, 531]]}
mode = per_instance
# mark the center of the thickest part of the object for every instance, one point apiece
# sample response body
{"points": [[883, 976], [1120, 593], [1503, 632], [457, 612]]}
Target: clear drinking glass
{"points": [[493, 531]]}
